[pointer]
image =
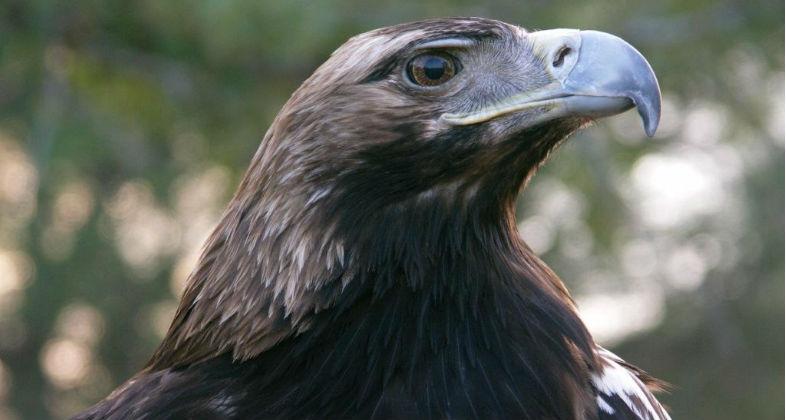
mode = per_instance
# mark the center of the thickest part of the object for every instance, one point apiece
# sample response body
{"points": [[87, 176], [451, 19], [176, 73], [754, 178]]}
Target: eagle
{"points": [[369, 265]]}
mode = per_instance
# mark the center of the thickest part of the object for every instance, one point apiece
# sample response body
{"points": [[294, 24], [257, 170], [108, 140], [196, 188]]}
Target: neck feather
{"points": [[442, 274]]}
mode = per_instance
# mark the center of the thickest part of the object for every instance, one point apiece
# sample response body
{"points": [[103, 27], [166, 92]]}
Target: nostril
{"points": [[559, 58]]}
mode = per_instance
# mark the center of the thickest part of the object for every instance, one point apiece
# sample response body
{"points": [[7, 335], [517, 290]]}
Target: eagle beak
{"points": [[594, 75]]}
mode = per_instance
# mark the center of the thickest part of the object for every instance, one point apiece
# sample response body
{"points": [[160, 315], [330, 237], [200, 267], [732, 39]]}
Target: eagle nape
{"points": [[369, 265]]}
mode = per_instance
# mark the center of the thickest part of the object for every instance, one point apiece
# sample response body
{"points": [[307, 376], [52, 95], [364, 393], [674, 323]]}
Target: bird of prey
{"points": [[369, 265]]}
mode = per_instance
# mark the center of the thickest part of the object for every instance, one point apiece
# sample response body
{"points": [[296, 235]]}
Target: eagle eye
{"points": [[431, 69]]}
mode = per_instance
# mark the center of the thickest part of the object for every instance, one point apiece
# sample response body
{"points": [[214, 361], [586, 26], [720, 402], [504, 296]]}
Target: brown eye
{"points": [[431, 69]]}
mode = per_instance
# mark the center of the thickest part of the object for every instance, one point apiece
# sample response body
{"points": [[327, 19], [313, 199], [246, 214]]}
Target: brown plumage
{"points": [[369, 266]]}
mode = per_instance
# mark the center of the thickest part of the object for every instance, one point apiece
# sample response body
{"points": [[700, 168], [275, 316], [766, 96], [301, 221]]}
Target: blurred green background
{"points": [[125, 126]]}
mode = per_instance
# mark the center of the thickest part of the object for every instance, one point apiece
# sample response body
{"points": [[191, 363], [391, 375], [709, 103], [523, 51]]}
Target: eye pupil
{"points": [[434, 68], [431, 69]]}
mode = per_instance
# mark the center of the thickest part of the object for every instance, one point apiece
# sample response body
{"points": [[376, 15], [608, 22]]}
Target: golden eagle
{"points": [[369, 266]]}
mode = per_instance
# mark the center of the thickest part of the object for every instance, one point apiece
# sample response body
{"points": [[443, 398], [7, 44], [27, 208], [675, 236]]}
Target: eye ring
{"points": [[432, 69]]}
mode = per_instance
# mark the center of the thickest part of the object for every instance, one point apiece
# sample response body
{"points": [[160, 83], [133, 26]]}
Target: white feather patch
{"points": [[617, 381]]}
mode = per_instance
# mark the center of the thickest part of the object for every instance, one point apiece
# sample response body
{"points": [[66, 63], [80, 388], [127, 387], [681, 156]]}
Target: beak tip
{"points": [[617, 69], [650, 126], [650, 115]]}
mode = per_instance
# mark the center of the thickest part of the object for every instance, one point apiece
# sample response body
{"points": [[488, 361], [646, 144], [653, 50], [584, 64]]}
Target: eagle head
{"points": [[457, 109]]}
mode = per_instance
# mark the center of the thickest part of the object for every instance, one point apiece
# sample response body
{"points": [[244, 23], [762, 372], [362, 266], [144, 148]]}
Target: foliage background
{"points": [[125, 126]]}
